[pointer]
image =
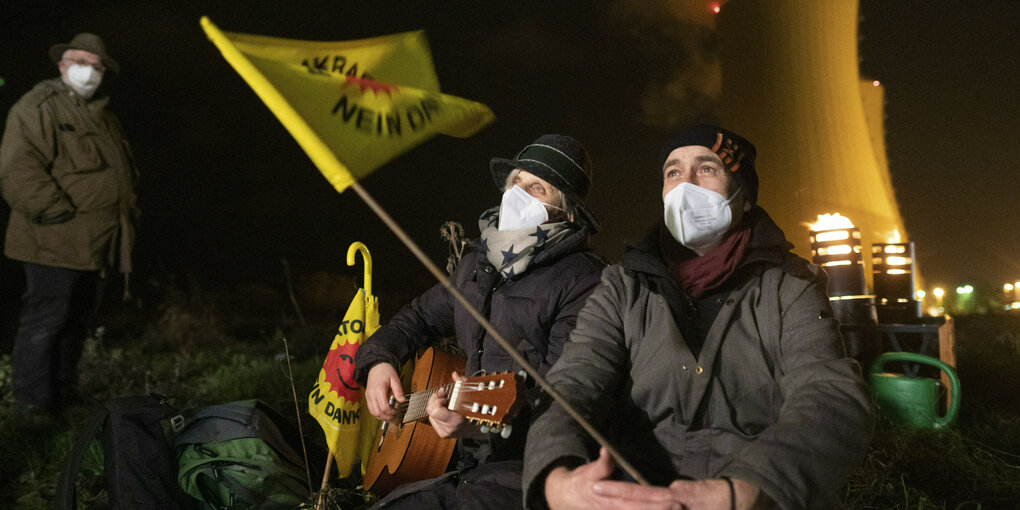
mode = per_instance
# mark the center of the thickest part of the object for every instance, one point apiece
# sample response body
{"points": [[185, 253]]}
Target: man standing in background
{"points": [[66, 172]]}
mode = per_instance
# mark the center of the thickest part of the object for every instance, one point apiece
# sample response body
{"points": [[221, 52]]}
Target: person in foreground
{"points": [[67, 173], [529, 274], [709, 357]]}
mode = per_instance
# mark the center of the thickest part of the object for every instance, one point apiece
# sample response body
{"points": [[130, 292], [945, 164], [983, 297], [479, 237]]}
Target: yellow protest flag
{"points": [[351, 105], [335, 399]]}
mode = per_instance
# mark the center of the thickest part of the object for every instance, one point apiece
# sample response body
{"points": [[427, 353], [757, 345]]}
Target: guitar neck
{"points": [[491, 399], [417, 401]]}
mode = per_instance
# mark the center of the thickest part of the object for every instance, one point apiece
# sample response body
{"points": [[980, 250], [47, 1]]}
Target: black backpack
{"points": [[140, 469]]}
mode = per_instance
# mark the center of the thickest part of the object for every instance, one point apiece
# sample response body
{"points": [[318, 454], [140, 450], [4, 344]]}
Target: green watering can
{"points": [[913, 401]]}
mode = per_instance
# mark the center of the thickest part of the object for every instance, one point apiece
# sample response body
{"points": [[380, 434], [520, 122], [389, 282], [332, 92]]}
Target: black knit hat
{"points": [[85, 41], [734, 150], [559, 159]]}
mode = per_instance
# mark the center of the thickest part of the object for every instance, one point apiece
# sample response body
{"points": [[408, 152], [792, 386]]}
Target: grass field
{"points": [[204, 350]]}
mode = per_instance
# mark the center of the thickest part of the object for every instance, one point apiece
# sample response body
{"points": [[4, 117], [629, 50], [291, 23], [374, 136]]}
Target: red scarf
{"points": [[698, 275]]}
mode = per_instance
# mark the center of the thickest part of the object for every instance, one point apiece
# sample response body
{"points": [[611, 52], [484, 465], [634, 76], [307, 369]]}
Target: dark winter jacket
{"points": [[535, 311], [66, 171], [771, 398]]}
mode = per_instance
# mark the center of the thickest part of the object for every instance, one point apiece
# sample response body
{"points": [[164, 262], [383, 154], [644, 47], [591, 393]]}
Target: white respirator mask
{"points": [[521, 210], [84, 79], [697, 217]]}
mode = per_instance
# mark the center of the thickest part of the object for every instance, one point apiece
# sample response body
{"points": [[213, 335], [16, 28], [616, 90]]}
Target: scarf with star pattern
{"points": [[510, 251]]}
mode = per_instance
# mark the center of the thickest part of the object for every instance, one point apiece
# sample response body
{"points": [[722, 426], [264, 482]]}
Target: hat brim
{"points": [[57, 52], [501, 168]]}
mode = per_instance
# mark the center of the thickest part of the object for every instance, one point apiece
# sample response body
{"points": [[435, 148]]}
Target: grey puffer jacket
{"points": [[535, 311], [772, 398]]}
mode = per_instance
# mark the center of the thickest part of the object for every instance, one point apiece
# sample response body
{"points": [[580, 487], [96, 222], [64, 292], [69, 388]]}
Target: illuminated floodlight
{"points": [[965, 289], [892, 268], [920, 294], [1007, 287], [938, 292], [836, 246]]}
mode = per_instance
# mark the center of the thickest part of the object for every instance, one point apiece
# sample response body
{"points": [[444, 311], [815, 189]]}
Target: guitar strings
{"points": [[417, 401]]}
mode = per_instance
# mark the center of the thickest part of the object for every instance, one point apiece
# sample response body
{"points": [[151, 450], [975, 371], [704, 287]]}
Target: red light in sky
{"points": [[714, 7]]}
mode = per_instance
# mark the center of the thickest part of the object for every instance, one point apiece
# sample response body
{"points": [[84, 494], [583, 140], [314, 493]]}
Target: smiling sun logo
{"points": [[339, 370]]}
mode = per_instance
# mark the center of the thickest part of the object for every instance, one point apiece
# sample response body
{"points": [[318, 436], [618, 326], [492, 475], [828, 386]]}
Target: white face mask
{"points": [[83, 79], [697, 217], [521, 210]]}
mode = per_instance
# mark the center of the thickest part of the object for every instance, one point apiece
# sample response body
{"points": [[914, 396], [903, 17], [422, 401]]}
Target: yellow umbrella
{"points": [[335, 400]]}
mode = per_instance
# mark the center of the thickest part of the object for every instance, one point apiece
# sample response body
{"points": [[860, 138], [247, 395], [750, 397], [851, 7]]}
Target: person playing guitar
{"points": [[529, 273]]}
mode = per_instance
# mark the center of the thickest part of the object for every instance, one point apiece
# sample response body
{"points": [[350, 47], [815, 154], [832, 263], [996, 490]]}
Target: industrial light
{"points": [[836, 246], [836, 242], [892, 268], [1007, 287], [965, 289], [938, 292], [920, 294]]}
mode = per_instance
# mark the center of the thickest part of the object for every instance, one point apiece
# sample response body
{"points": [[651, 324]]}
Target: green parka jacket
{"points": [[771, 398], [66, 172]]}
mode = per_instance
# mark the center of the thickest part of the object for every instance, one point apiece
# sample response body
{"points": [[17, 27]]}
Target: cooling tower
{"points": [[791, 85], [873, 101]]}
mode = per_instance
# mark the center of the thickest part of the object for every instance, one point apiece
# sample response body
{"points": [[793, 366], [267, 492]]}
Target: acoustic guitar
{"points": [[409, 449]]}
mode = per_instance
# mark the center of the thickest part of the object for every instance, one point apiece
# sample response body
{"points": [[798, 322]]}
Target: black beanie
{"points": [[734, 150]]}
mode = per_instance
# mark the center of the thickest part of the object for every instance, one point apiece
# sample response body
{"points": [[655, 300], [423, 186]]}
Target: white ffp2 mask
{"points": [[697, 217], [83, 79], [521, 210]]}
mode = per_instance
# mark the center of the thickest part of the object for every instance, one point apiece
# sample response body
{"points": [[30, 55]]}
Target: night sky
{"points": [[226, 192]]}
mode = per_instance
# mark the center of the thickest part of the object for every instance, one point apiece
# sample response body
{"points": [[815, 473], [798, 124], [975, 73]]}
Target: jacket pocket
{"points": [[78, 153], [83, 174]]}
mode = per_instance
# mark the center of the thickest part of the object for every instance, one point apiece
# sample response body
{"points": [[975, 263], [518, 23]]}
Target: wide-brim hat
{"points": [[85, 41], [558, 159], [735, 151]]}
